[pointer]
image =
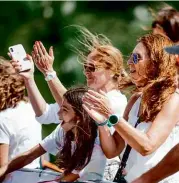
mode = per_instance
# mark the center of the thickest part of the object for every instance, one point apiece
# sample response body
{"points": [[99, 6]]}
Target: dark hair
{"points": [[84, 137], [168, 19]]}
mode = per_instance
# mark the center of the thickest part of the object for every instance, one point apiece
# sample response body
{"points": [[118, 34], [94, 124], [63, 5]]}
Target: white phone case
{"points": [[18, 52]]}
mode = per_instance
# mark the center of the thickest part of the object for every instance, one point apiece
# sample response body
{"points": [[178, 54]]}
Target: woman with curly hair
{"points": [[17, 118], [74, 142], [150, 126]]}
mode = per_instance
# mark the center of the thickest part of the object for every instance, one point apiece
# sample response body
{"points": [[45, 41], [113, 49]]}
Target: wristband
{"points": [[102, 124], [50, 75]]}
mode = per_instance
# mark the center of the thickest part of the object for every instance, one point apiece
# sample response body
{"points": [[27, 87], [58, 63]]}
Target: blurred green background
{"points": [[49, 21]]}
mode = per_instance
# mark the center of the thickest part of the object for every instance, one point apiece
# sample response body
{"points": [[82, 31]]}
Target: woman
{"points": [[74, 140], [17, 118], [153, 72], [103, 68]]}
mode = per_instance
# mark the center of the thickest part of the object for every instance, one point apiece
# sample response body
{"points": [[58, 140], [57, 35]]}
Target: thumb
{"points": [[51, 51], [102, 92], [28, 57]]}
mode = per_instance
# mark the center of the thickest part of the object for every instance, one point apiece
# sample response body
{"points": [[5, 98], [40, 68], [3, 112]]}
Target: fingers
{"points": [[40, 52], [17, 66], [96, 94], [51, 51], [42, 47]]}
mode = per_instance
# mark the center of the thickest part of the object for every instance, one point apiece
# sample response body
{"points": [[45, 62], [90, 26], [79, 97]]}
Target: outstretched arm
{"points": [[44, 62], [168, 166], [21, 160], [36, 99]]}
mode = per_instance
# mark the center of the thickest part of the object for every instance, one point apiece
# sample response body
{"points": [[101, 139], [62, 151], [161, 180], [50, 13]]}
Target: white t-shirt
{"points": [[93, 170], [20, 130], [138, 164], [118, 103]]}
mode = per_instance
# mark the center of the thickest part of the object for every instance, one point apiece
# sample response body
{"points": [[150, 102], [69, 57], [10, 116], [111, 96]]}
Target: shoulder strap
{"points": [[124, 159]]}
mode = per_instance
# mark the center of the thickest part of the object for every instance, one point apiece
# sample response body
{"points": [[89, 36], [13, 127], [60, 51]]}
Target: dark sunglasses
{"points": [[135, 57], [89, 67]]}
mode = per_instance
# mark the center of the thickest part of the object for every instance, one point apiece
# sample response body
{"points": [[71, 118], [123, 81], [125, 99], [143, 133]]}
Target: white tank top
{"points": [[138, 164]]}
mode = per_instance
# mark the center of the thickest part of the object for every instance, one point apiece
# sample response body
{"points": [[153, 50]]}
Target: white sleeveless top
{"points": [[138, 164]]}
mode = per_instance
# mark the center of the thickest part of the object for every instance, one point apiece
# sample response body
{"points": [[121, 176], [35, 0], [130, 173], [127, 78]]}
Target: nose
{"points": [[130, 61], [60, 114]]}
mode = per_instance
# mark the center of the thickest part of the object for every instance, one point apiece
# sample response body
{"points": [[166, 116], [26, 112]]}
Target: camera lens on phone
{"points": [[11, 49]]}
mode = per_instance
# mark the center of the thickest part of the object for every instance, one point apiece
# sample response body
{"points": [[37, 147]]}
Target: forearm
{"points": [[111, 147], [57, 89], [138, 140], [168, 166], [46, 164], [25, 158], [36, 99]]}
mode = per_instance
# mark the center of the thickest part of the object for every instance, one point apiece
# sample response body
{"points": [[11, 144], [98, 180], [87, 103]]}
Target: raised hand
{"points": [[42, 59], [97, 105]]}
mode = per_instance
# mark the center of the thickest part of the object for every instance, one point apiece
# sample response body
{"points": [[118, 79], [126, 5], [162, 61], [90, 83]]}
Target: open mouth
{"points": [[132, 71], [62, 123]]}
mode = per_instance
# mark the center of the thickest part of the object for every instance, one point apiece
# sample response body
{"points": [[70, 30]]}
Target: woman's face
{"points": [[67, 115], [97, 76], [137, 63]]}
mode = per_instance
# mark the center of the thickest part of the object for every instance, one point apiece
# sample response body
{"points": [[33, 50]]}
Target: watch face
{"points": [[113, 119]]}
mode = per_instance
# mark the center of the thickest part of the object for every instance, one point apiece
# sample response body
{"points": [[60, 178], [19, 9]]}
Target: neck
{"points": [[108, 87]]}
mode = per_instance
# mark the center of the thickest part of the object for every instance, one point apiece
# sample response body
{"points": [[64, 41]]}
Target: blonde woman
{"points": [[154, 113]]}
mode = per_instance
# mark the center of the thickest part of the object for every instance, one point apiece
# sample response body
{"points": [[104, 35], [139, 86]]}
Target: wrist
{"points": [[113, 120], [29, 80], [45, 73], [50, 75]]}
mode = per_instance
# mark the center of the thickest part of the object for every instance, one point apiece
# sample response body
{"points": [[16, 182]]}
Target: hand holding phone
{"points": [[18, 53]]}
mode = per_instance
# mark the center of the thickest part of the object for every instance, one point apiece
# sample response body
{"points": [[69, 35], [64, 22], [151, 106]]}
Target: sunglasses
{"points": [[89, 67], [135, 58]]}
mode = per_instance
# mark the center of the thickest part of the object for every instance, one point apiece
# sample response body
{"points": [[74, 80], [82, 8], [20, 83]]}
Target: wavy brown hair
{"points": [[84, 137], [12, 88], [161, 73], [167, 18], [107, 55]]}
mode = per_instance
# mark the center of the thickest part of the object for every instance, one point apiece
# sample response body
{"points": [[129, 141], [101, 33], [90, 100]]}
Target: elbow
{"points": [[147, 149], [110, 155]]}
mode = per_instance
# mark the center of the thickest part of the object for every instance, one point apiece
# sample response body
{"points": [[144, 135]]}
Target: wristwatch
{"points": [[113, 119], [101, 124], [50, 75]]}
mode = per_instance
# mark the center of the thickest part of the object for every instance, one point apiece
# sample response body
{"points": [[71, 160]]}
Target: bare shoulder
{"points": [[130, 103]]}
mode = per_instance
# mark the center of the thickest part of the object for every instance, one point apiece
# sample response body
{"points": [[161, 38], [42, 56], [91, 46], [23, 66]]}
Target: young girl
{"points": [[74, 140]]}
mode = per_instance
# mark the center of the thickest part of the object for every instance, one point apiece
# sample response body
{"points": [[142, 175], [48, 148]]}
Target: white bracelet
{"points": [[50, 75]]}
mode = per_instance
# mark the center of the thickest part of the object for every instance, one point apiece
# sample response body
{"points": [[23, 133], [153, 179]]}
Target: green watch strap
{"points": [[102, 124]]}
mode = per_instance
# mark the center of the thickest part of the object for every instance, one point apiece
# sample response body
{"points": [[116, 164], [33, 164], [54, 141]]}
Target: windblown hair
{"points": [[12, 88], [161, 73], [84, 137], [107, 55], [168, 19]]}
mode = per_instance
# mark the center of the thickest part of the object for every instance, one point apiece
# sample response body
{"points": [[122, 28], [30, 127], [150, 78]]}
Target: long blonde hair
{"points": [[161, 73], [12, 88], [107, 56]]}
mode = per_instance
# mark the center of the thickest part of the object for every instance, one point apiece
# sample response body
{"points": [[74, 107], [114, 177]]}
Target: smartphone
{"points": [[18, 52]]}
